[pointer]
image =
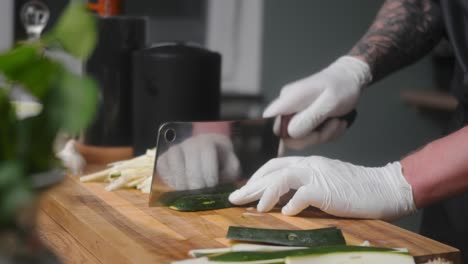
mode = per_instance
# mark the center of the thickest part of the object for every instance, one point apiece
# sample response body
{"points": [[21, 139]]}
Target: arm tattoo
{"points": [[403, 32]]}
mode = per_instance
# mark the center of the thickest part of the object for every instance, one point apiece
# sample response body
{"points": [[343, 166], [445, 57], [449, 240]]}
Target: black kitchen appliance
{"points": [[173, 82], [111, 65]]}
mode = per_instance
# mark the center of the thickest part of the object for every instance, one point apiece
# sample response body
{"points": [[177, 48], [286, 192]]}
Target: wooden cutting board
{"points": [[84, 223]]}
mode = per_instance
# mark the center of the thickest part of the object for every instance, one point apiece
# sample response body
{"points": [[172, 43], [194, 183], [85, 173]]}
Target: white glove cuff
{"points": [[403, 191], [360, 69]]}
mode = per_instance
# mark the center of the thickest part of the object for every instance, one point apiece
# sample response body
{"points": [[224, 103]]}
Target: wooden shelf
{"points": [[430, 100]]}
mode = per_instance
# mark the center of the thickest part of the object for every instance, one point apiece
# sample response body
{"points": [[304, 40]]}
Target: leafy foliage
{"points": [[68, 104], [75, 31]]}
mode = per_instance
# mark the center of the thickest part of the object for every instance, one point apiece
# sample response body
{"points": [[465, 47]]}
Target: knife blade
{"points": [[199, 155]]}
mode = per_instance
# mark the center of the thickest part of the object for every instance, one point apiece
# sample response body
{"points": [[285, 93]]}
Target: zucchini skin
{"points": [[198, 200], [297, 238], [266, 255], [201, 202]]}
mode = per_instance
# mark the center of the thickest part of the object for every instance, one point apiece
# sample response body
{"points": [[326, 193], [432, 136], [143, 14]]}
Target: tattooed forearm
{"points": [[403, 31]]}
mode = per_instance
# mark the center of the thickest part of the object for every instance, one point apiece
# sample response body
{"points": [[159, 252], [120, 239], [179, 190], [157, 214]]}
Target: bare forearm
{"points": [[439, 170], [403, 32]]}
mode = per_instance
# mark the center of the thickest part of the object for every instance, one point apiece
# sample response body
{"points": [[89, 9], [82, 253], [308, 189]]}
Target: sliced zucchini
{"points": [[323, 255], [198, 200], [348, 252], [238, 247], [201, 202], [205, 260], [298, 238]]}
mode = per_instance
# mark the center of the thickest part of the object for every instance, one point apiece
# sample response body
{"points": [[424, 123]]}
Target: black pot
{"points": [[173, 82]]}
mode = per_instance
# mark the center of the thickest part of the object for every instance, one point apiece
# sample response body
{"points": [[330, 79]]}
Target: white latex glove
{"points": [[71, 158], [199, 162], [328, 94], [336, 187]]}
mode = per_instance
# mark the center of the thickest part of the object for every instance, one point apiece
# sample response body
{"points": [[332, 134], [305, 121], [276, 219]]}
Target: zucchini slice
{"points": [[321, 254], [328, 254], [199, 199], [297, 238], [205, 260], [201, 202], [239, 247]]}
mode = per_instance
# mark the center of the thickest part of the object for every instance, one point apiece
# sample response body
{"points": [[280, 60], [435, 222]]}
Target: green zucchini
{"points": [[199, 199], [299, 238], [205, 260], [327, 254], [201, 202], [298, 254]]}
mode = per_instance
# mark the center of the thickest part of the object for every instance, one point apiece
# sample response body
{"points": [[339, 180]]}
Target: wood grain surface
{"points": [[84, 223]]}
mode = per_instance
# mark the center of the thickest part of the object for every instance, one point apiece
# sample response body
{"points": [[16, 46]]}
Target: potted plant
{"points": [[28, 163]]}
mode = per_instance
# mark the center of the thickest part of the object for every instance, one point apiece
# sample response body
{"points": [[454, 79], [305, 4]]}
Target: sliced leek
{"points": [[133, 173]]}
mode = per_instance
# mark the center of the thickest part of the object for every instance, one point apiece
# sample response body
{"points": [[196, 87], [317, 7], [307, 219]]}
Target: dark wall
{"points": [[166, 8], [302, 37], [169, 20]]}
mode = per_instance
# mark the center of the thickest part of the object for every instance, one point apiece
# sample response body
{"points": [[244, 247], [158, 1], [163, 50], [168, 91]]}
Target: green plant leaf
{"points": [[39, 77], [75, 31], [73, 106], [26, 66], [8, 126], [17, 59], [10, 173], [14, 193], [15, 198], [26, 146], [35, 143]]}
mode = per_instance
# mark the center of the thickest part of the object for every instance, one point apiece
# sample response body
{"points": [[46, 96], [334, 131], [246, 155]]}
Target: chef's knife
{"points": [[198, 155]]}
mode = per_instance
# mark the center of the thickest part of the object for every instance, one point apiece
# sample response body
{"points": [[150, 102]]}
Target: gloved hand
{"points": [[330, 93], [336, 187], [199, 162]]}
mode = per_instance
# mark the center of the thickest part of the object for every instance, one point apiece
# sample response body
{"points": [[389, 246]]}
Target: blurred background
{"points": [[267, 44]]}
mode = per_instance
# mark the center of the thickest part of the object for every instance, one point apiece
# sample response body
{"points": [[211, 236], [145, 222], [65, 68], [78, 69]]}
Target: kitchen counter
{"points": [[84, 223]]}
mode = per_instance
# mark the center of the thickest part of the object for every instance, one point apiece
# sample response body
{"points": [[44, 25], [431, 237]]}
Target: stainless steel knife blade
{"points": [[199, 155]]}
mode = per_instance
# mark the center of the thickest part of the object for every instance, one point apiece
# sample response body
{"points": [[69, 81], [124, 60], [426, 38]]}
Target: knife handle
{"points": [[349, 118]]}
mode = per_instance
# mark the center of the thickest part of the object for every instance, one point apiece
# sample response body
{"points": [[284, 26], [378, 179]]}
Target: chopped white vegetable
{"points": [[205, 260], [195, 253], [145, 186], [239, 247], [132, 173], [256, 247], [134, 183]]}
